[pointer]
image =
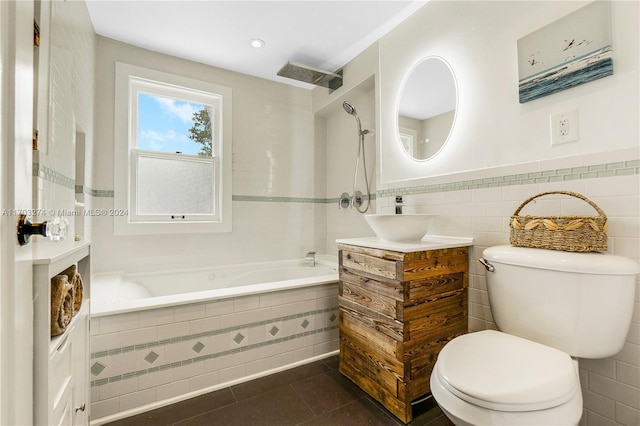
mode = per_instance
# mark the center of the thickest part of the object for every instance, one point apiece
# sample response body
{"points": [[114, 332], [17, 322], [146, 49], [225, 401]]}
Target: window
{"points": [[173, 153]]}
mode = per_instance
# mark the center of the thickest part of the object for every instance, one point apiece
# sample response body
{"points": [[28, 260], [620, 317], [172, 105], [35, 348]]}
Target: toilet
{"points": [[551, 307]]}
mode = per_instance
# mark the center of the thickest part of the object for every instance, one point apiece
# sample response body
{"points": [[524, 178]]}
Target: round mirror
{"points": [[427, 108]]}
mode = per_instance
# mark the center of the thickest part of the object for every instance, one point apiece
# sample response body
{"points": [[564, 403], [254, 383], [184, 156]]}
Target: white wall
{"points": [[500, 155], [274, 173], [479, 40]]}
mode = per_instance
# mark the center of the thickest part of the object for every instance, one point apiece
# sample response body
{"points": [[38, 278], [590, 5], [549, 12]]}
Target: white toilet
{"points": [[550, 306]]}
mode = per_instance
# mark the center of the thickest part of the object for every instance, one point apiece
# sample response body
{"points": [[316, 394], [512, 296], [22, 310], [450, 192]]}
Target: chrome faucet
{"points": [[399, 204], [310, 258]]}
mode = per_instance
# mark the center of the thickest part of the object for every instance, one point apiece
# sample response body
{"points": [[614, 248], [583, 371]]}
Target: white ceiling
{"points": [[319, 34]]}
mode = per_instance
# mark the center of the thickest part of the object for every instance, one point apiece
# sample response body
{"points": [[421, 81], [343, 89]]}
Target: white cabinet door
{"points": [[61, 382], [81, 392]]}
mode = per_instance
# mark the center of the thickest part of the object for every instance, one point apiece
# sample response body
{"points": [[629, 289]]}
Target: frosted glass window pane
{"points": [[174, 186]]}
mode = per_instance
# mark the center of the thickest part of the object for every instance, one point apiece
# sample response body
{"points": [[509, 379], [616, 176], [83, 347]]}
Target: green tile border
{"points": [[277, 199], [124, 376], [51, 175], [153, 344], [618, 168], [595, 171], [150, 344], [288, 199], [96, 193]]}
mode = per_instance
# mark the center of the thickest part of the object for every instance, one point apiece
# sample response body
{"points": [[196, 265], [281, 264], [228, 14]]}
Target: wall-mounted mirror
{"points": [[427, 108]]}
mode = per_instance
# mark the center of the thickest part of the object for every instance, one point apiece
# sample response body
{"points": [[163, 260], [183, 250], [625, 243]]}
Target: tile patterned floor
{"points": [[315, 394]]}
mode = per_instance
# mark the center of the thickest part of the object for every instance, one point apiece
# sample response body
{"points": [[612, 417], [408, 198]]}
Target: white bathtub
{"points": [[119, 292], [161, 337]]}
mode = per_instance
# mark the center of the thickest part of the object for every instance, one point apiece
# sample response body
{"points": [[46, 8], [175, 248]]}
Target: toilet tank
{"points": [[579, 303]]}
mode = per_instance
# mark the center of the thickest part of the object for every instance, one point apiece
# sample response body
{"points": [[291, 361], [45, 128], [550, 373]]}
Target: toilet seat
{"points": [[502, 372]]}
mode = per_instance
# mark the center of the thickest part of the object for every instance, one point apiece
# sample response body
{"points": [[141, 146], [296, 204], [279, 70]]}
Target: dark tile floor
{"points": [[315, 394]]}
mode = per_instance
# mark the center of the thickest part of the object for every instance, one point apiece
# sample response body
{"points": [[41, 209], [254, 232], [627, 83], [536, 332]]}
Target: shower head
{"points": [[349, 108], [331, 80]]}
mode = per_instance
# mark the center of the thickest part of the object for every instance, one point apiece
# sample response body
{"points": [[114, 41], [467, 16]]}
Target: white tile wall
{"points": [[71, 69], [611, 387], [149, 356]]}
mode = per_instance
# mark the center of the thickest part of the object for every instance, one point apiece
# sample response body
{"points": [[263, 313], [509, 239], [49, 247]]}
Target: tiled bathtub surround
{"points": [[146, 357]]}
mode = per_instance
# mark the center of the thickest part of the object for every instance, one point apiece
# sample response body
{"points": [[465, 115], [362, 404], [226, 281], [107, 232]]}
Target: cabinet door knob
{"points": [[81, 408]]}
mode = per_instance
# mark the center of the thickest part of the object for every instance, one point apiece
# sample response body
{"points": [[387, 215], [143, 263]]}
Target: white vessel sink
{"points": [[400, 227]]}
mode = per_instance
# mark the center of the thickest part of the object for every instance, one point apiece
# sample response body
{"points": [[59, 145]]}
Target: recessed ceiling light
{"points": [[256, 43]]}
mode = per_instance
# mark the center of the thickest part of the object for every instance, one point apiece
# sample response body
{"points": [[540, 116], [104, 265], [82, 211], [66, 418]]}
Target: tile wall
{"points": [[148, 357], [479, 204], [274, 166], [68, 58]]}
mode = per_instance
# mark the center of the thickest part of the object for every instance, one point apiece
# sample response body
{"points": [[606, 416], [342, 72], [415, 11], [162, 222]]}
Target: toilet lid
{"points": [[507, 373]]}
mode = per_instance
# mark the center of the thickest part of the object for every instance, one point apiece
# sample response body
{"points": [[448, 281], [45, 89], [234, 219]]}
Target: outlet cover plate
{"points": [[564, 127]]}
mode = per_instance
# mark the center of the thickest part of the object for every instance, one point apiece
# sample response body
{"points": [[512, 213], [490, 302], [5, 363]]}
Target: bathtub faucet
{"points": [[310, 258]]}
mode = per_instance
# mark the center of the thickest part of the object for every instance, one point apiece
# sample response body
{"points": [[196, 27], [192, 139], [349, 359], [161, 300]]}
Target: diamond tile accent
{"points": [[274, 330], [239, 338], [333, 317], [198, 347], [97, 368], [305, 324], [151, 357]]}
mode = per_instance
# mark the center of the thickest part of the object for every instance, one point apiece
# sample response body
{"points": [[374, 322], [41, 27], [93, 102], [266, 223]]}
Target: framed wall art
{"points": [[571, 51]]}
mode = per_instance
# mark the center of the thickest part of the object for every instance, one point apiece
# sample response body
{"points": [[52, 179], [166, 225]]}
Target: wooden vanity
{"points": [[397, 310]]}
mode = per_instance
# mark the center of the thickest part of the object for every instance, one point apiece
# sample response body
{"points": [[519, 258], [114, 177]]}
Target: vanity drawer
{"points": [[368, 265], [433, 263], [373, 295]]}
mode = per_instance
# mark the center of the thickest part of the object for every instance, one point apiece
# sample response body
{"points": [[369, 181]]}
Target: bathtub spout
{"points": [[310, 258]]}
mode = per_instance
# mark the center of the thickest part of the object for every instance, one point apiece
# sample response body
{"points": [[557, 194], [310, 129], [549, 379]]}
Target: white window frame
{"points": [[131, 80]]}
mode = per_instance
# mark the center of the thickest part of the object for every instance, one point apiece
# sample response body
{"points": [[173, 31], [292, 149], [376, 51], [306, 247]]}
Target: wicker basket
{"points": [[569, 233]]}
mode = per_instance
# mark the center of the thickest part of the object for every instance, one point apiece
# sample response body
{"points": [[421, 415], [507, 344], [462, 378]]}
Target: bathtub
{"points": [[120, 292], [162, 337]]}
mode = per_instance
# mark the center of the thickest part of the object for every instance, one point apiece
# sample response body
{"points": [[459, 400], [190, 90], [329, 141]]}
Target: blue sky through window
{"points": [[164, 123]]}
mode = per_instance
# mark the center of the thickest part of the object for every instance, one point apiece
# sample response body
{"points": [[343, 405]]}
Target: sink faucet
{"points": [[310, 258], [399, 203]]}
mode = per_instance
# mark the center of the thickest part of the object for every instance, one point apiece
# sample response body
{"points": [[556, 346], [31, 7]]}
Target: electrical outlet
{"points": [[564, 127]]}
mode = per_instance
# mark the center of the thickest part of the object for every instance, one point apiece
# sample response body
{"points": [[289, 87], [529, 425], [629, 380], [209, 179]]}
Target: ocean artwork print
{"points": [[571, 51]]}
